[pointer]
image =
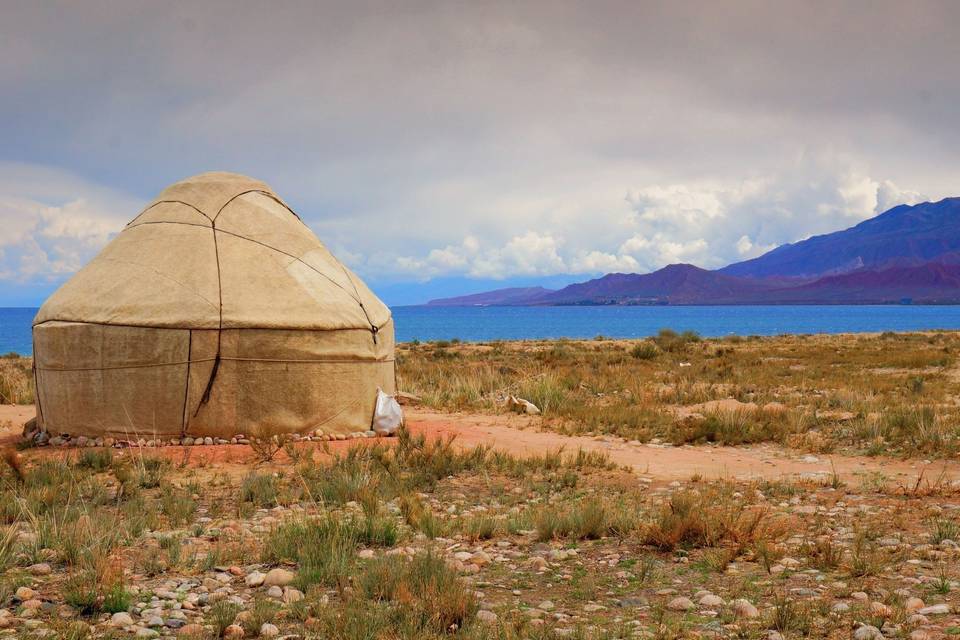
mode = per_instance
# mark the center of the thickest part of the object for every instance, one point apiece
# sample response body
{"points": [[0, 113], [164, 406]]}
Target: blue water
{"points": [[478, 324]]}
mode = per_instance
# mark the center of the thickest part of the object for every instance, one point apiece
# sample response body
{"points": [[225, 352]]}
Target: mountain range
{"points": [[907, 254]]}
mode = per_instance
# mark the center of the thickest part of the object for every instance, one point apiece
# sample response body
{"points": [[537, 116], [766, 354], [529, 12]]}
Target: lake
{"points": [[479, 324]]}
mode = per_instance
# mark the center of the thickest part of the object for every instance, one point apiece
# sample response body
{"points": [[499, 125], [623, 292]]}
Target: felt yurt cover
{"points": [[215, 312]]}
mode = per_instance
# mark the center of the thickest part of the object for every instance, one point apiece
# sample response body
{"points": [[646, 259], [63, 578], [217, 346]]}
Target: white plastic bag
{"points": [[388, 416]]}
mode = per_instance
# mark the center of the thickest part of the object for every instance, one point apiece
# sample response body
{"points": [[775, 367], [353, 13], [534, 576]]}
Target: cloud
{"points": [[709, 223], [550, 134], [54, 222]]}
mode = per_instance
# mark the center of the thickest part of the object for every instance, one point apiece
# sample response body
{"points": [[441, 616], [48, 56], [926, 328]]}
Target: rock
{"points": [[880, 609], [24, 593], [546, 605], [710, 600], [233, 632], [269, 631], [744, 609], [366, 554], [680, 604], [155, 621], [840, 607], [633, 602], [935, 610], [121, 619], [291, 595], [275, 592], [190, 630], [913, 604], [255, 579], [41, 569], [143, 632], [867, 632], [278, 578], [487, 617]]}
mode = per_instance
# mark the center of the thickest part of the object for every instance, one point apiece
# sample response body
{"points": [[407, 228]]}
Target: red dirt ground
{"points": [[520, 435]]}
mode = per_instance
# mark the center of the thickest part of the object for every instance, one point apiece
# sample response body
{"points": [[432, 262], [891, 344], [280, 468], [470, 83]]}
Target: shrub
{"points": [[944, 529], [432, 599], [81, 590], [117, 598], [259, 489], [177, 505], [221, 615], [587, 520], [481, 527], [324, 548], [96, 459], [644, 351]]}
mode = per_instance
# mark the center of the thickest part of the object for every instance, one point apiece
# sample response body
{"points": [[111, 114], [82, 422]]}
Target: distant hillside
{"points": [[907, 253], [674, 284], [930, 283], [920, 233], [498, 297]]}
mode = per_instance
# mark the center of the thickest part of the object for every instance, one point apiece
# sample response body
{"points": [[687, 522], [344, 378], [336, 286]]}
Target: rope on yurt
{"points": [[205, 398], [186, 386]]}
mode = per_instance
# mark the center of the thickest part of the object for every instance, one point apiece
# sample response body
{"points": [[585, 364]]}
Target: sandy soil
{"points": [[675, 463], [521, 435]]}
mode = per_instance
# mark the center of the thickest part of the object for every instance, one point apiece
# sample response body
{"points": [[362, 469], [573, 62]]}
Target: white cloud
{"points": [[747, 249], [709, 223], [54, 222], [600, 262], [890, 195]]}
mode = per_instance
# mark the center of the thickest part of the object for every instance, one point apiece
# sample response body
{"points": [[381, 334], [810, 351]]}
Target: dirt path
{"points": [[520, 435], [676, 463]]}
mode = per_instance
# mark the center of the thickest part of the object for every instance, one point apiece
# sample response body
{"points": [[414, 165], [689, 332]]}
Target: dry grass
{"points": [[873, 394], [16, 380]]}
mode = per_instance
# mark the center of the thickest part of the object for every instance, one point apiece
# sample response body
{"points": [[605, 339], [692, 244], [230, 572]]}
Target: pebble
{"points": [[913, 604], [233, 632], [487, 617], [121, 619], [278, 578], [190, 630], [24, 593], [867, 632], [291, 595], [255, 579], [710, 600], [935, 610], [744, 609], [680, 604], [269, 631]]}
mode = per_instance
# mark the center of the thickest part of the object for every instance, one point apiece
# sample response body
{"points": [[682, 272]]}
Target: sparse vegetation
{"points": [[417, 537]]}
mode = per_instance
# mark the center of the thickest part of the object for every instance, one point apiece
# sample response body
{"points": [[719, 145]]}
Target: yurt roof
{"points": [[217, 250]]}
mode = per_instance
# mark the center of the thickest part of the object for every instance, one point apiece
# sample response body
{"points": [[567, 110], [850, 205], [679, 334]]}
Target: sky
{"points": [[442, 148]]}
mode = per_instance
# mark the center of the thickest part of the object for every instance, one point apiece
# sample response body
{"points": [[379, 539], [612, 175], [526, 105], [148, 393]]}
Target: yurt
{"points": [[215, 312]]}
